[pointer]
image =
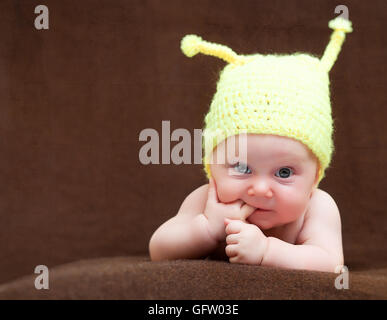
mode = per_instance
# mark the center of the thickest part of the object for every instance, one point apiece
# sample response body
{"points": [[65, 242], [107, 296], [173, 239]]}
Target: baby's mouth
{"points": [[262, 210]]}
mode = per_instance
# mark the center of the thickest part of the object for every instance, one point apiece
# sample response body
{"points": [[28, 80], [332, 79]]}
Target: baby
{"points": [[267, 143]]}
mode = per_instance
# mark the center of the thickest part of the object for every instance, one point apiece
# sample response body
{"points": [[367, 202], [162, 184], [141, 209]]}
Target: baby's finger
{"points": [[234, 259], [232, 238], [234, 226], [246, 211], [212, 195], [240, 203], [231, 250]]}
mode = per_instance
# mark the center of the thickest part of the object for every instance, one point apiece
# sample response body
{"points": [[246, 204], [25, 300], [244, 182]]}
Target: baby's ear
{"points": [[315, 183], [317, 175]]}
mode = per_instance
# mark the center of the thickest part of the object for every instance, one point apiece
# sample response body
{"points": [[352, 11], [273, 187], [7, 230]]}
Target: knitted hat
{"points": [[285, 95]]}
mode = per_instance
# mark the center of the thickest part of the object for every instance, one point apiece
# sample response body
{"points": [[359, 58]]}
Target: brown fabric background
{"points": [[137, 278], [74, 99]]}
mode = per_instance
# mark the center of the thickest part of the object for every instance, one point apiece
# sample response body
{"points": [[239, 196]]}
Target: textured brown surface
{"points": [[74, 99], [138, 278]]}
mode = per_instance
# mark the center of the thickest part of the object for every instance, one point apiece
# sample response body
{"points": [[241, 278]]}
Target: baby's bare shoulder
{"points": [[323, 204], [195, 202], [322, 218]]}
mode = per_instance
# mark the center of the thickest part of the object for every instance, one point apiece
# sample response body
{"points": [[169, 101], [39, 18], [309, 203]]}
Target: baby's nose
{"points": [[260, 188]]}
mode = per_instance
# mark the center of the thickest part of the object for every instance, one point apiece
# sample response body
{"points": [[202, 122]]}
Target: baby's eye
{"points": [[242, 168], [284, 172]]}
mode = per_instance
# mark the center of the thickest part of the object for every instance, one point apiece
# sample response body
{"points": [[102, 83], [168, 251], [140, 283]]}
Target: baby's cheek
{"points": [[227, 192], [293, 207], [227, 195]]}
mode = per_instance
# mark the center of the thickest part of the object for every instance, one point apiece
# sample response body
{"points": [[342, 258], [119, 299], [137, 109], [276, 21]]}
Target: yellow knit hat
{"points": [[285, 95]]}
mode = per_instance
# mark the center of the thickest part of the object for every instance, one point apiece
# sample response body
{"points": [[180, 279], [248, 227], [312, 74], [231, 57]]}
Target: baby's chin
{"points": [[265, 221], [263, 224]]}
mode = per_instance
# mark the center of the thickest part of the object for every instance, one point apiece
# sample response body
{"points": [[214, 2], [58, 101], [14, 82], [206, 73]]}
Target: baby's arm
{"points": [[186, 235], [319, 244]]}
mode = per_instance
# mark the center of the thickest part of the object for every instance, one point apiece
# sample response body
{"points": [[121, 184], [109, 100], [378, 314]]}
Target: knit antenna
{"points": [[192, 44], [341, 26]]}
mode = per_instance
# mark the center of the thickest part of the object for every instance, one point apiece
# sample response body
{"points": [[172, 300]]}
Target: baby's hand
{"points": [[216, 212], [246, 243]]}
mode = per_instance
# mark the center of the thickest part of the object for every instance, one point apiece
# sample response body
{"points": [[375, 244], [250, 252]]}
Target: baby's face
{"points": [[274, 173]]}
